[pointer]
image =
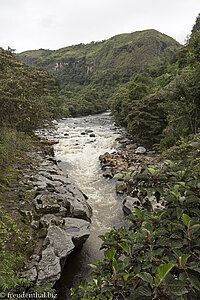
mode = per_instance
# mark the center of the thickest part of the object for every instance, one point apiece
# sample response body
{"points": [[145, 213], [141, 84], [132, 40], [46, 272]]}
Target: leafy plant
{"points": [[158, 256]]}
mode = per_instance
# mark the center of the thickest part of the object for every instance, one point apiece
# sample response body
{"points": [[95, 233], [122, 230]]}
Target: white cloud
{"points": [[33, 24]]}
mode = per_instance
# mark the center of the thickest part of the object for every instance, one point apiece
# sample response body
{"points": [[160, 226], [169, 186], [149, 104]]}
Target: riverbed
{"points": [[80, 143]]}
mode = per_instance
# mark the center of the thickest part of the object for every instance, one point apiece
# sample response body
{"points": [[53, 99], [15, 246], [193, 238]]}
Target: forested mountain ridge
{"points": [[102, 66], [118, 51]]}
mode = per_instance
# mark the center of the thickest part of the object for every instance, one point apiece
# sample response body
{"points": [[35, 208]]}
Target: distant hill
{"points": [[103, 63]]}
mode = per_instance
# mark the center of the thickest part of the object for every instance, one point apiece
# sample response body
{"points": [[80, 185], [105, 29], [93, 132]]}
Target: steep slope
{"points": [[104, 64]]}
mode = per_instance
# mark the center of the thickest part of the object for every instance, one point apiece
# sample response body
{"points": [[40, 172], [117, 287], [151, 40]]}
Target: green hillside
{"points": [[104, 65]]}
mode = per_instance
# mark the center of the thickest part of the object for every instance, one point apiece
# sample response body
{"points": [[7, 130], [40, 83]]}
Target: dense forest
{"points": [[152, 85]]}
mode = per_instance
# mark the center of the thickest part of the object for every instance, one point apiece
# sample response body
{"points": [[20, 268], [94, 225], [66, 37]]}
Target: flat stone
{"points": [[46, 203], [61, 178], [78, 229]]}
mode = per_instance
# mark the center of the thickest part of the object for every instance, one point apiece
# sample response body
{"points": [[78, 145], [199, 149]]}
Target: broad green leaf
{"points": [[184, 258], [111, 254], [144, 291], [176, 194], [114, 264], [195, 282], [163, 270], [173, 281], [146, 277], [178, 290], [186, 219], [126, 277], [182, 183], [151, 170], [92, 266], [138, 212]]}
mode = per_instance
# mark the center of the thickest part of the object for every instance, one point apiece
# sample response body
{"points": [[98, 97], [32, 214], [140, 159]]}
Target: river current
{"points": [[81, 141]]}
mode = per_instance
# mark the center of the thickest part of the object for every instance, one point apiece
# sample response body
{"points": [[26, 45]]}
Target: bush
{"points": [[159, 256]]}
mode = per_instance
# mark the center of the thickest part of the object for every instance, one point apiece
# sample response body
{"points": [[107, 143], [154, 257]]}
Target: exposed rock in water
{"points": [[61, 217], [124, 161], [140, 150], [92, 135]]}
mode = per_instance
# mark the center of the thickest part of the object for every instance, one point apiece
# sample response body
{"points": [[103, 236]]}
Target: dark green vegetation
{"points": [[158, 257], [89, 74], [16, 238], [28, 98], [162, 105]]}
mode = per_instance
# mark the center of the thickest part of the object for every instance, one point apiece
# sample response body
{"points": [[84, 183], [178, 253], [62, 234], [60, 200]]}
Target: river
{"points": [[81, 141]]}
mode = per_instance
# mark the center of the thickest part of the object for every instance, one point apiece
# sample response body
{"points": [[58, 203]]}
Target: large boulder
{"points": [[59, 244], [60, 241], [48, 268], [78, 229]]}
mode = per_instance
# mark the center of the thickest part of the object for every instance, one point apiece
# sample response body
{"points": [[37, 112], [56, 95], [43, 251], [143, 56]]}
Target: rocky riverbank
{"points": [[121, 166], [58, 214], [129, 159]]}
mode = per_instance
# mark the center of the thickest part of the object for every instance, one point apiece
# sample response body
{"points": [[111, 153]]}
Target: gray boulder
{"points": [[129, 204], [140, 150], [48, 268], [78, 229], [60, 241]]}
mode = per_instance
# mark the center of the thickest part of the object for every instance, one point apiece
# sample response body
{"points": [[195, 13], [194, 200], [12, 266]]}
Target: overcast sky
{"points": [[53, 24]]}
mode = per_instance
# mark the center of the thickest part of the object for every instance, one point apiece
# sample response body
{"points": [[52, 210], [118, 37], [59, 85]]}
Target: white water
{"points": [[79, 157]]}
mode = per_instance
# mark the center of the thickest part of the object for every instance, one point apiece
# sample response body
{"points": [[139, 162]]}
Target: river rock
{"points": [[60, 241], [92, 135], [140, 150], [48, 268], [88, 131], [195, 144], [131, 147], [129, 204], [46, 205], [60, 216], [78, 229]]}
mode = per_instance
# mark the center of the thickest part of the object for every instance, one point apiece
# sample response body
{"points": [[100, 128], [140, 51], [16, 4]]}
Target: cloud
{"points": [[33, 24]]}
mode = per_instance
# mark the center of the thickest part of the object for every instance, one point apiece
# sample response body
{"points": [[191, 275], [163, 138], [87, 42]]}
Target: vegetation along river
{"points": [[81, 141]]}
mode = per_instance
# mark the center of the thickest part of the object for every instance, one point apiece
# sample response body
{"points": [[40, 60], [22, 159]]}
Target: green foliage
{"points": [[196, 27], [103, 66], [27, 96], [88, 102], [10, 261], [158, 256], [12, 145], [138, 108]]}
